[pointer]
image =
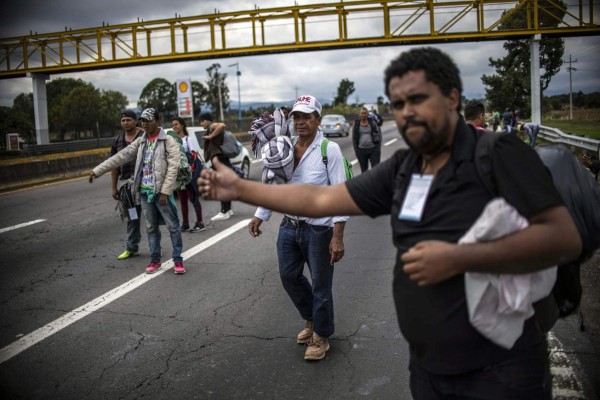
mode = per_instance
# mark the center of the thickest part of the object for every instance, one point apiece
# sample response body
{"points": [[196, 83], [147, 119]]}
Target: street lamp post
{"points": [[220, 98], [238, 73]]}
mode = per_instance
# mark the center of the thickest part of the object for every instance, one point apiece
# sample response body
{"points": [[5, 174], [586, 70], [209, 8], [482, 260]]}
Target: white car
{"points": [[334, 124], [242, 161]]}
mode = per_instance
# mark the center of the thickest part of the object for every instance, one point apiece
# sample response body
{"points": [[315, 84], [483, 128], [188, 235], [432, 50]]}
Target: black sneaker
{"points": [[185, 227], [199, 227]]}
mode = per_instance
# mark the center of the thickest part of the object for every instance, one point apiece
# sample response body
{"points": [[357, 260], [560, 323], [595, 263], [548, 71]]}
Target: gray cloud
{"points": [[270, 77]]}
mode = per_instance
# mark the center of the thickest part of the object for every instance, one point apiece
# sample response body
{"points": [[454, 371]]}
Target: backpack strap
{"points": [[483, 159], [324, 144]]}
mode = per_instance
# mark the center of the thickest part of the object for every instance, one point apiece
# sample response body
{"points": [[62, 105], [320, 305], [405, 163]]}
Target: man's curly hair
{"points": [[438, 66]]}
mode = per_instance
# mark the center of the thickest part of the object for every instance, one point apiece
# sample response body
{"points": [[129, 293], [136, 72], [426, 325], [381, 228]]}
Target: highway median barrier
{"points": [[23, 172]]}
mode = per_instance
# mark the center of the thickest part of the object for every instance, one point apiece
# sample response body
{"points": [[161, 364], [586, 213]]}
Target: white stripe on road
{"points": [[55, 326], [10, 228], [390, 142], [565, 382]]}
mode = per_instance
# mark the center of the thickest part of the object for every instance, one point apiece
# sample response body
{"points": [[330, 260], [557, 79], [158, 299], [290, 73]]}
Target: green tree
{"points": [[24, 103], [22, 119], [4, 127], [112, 103], [216, 79], [56, 91], [200, 95], [17, 119], [161, 95], [344, 90], [79, 111], [592, 100], [510, 86]]}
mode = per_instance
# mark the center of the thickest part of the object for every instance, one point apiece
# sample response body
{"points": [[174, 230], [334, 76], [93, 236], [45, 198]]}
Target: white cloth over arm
{"points": [[499, 304]]}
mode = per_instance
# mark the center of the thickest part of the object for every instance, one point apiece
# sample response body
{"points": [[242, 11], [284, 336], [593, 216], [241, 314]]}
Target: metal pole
{"points": [[221, 100], [570, 69], [536, 90], [570, 90], [238, 73]]}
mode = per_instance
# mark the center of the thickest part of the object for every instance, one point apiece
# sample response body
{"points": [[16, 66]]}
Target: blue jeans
{"points": [[153, 211], [308, 244], [533, 132], [134, 235]]}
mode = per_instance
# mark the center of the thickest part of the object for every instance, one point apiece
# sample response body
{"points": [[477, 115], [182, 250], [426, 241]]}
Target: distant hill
{"points": [[233, 105]]}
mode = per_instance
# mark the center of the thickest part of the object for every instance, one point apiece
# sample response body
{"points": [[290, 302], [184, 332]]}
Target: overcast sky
{"points": [[274, 78]]}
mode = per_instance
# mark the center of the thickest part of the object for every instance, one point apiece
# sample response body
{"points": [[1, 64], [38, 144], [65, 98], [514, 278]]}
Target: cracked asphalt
{"points": [[225, 329]]}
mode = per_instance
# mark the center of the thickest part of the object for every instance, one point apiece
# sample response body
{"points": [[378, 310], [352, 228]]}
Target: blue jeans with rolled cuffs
{"points": [[297, 244], [152, 212]]}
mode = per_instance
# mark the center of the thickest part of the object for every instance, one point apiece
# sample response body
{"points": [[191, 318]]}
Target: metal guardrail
{"points": [[75, 145], [547, 133], [557, 136]]}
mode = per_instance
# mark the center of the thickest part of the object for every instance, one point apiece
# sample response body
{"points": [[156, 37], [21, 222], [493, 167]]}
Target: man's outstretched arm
{"points": [[297, 199]]}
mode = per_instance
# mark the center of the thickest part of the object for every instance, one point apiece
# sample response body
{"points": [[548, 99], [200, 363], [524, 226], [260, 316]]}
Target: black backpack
{"points": [[581, 195]]}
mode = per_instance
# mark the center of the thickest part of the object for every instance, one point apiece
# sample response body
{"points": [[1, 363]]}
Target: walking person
{"points": [[475, 115], [157, 157], [433, 194], [366, 138], [213, 140], [532, 129], [193, 151], [120, 187], [316, 242], [508, 121], [495, 120]]}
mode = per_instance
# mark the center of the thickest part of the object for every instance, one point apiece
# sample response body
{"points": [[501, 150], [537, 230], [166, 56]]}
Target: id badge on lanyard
{"points": [[133, 215], [416, 197]]}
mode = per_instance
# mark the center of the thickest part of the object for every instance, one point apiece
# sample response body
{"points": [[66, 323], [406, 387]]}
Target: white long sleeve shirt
{"points": [[312, 170]]}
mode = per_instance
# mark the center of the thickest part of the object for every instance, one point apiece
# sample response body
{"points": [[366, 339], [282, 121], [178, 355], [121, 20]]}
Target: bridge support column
{"points": [[40, 107], [536, 92]]}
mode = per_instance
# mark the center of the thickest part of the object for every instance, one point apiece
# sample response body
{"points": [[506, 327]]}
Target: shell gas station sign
{"points": [[185, 108]]}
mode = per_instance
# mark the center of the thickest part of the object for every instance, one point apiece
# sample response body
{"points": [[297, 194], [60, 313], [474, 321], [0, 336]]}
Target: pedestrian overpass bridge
{"points": [[293, 28]]}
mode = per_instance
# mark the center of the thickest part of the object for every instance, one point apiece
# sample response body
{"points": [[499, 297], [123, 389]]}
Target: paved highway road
{"points": [[78, 324]]}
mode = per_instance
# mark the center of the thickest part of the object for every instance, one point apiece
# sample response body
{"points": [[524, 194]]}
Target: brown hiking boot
{"points": [[305, 334], [317, 347]]}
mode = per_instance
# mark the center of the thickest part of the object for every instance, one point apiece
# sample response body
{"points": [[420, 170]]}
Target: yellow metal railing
{"points": [[283, 29]]}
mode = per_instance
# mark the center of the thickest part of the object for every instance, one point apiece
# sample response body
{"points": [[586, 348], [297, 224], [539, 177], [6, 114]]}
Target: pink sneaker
{"points": [[152, 267], [179, 268]]}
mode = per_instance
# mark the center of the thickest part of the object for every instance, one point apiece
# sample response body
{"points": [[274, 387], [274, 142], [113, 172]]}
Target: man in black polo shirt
{"points": [[121, 175], [434, 195]]}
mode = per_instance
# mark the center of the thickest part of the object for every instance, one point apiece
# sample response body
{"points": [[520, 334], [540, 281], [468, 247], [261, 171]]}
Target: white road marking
{"points": [[390, 142], [55, 326], [565, 383], [10, 228]]}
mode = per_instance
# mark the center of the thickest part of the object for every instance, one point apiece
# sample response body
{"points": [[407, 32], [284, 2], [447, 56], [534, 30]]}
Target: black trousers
{"points": [[223, 159], [525, 377], [372, 154]]}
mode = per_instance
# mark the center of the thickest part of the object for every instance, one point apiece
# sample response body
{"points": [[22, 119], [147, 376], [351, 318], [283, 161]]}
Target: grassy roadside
{"points": [[587, 128]]}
